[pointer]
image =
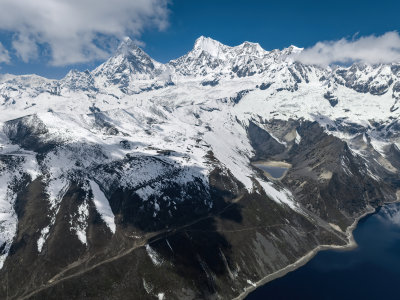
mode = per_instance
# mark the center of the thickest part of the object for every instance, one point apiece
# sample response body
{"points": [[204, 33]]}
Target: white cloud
{"points": [[368, 49], [4, 56], [77, 31], [25, 47]]}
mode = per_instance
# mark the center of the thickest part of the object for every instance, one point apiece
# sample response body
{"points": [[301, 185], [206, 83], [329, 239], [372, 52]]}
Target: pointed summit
{"points": [[128, 48], [293, 49], [127, 44], [210, 46], [127, 40], [205, 42], [129, 58], [249, 48], [128, 64]]}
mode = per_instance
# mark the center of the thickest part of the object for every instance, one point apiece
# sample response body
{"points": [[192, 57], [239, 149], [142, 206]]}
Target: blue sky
{"points": [[168, 30]]}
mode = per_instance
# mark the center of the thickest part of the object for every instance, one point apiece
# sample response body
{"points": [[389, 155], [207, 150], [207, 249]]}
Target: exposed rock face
{"points": [[263, 143], [136, 180]]}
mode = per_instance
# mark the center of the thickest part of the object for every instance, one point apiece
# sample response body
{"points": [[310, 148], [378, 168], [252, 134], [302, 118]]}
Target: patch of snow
{"points": [[44, 233], [282, 197], [147, 286], [80, 224], [8, 217], [365, 138], [251, 282], [161, 296], [11, 174], [56, 190], [102, 206], [298, 138], [154, 256]]}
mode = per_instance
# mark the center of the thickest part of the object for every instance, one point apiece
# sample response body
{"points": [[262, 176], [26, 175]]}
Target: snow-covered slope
{"points": [[199, 102], [160, 131], [129, 66]]}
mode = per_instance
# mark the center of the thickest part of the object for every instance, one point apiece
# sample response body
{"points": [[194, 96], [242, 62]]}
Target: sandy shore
{"points": [[272, 163], [351, 244]]}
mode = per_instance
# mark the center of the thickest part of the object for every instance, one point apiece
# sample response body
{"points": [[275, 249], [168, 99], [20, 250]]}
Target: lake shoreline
{"points": [[351, 244], [272, 164]]}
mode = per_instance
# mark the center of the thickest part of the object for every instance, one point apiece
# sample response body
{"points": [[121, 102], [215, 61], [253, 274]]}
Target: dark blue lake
{"points": [[371, 271]]}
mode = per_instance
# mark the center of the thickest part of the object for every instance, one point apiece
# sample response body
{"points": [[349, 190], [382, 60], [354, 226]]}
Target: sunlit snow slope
{"points": [[162, 130]]}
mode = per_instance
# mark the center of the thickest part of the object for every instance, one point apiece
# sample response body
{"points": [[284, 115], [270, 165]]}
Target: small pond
{"points": [[274, 171]]}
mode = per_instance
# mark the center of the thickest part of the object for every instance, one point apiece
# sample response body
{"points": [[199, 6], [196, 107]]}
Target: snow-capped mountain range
{"points": [[163, 132], [130, 71]]}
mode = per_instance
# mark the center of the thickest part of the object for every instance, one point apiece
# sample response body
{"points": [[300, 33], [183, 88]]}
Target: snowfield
{"points": [[132, 108]]}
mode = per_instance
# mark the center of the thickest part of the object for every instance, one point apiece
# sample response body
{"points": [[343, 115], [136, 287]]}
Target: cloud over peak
{"points": [[368, 49], [76, 31]]}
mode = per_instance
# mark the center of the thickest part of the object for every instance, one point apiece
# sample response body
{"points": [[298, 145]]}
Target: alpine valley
{"points": [[142, 180]]}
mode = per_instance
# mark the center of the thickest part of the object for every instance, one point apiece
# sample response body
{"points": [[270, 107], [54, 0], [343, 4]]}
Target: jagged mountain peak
{"points": [[202, 40], [292, 50], [129, 48], [132, 56], [128, 64], [76, 80], [212, 59], [75, 72], [218, 50], [209, 46], [221, 51], [127, 41], [131, 70], [250, 48]]}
